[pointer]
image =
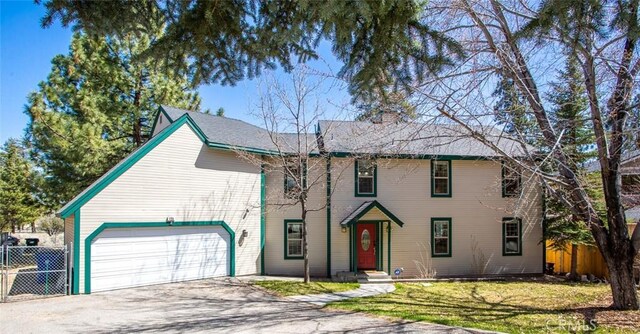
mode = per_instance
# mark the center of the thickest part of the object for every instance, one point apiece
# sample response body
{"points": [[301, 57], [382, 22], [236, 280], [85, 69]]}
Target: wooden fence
{"points": [[590, 261]]}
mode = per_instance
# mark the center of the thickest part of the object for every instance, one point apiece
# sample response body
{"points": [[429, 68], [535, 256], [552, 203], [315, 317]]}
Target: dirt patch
{"points": [[600, 310]]}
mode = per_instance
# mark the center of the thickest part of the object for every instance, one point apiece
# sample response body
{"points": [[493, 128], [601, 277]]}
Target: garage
{"points": [[122, 256]]}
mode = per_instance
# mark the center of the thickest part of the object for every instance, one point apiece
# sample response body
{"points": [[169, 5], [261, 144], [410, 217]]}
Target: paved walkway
{"points": [[365, 290]]}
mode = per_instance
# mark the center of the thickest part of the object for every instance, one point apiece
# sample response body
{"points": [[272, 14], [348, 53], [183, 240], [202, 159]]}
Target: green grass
{"points": [[288, 288], [513, 307]]}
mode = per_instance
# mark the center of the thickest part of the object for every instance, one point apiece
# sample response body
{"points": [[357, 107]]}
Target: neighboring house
{"points": [[188, 204]]}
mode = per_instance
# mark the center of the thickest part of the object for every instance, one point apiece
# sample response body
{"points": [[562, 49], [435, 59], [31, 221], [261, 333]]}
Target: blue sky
{"points": [[26, 51]]}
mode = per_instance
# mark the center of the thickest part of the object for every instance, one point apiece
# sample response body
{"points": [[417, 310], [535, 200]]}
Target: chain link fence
{"points": [[30, 272]]}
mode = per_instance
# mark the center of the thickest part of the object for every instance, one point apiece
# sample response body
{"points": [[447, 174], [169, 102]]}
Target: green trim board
{"points": [[409, 156], [433, 184], [286, 239], [369, 207], [104, 226], [76, 253], [504, 183], [435, 220], [125, 164], [328, 208], [389, 247], [357, 192], [505, 221], [263, 216]]}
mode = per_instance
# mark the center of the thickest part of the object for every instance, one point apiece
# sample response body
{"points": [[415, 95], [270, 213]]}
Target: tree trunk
{"points": [[573, 274], [305, 246], [623, 288], [33, 227]]}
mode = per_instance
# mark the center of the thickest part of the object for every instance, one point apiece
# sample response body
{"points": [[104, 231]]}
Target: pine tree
{"points": [[18, 204], [231, 40], [570, 118], [511, 111], [380, 101], [94, 107]]}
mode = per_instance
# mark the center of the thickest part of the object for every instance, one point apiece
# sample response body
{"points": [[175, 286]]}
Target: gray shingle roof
{"points": [[233, 132], [411, 138]]}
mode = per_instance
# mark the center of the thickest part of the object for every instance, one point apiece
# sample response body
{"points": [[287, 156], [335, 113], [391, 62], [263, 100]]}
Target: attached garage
{"points": [[124, 255]]}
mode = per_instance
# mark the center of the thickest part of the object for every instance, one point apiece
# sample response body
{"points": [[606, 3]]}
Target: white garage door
{"points": [[128, 257]]}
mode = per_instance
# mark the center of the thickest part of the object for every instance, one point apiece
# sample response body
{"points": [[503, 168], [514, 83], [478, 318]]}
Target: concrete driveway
{"points": [[221, 306]]}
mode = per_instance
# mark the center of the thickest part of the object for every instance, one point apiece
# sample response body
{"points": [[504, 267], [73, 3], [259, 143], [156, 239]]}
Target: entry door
{"points": [[366, 245]]}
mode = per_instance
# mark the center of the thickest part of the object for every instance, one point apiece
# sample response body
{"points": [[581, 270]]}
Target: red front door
{"points": [[366, 246]]}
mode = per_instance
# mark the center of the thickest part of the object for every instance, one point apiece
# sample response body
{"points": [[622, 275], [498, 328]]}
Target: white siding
{"points": [[476, 209], [68, 230], [275, 263], [184, 179]]}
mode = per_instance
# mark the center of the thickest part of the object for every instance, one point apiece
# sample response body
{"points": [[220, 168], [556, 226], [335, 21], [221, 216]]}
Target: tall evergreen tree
{"points": [[569, 116], [511, 111], [94, 107], [380, 101], [231, 40], [18, 204]]}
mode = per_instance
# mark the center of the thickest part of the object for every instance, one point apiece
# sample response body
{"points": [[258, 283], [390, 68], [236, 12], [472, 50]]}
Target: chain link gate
{"points": [[31, 272]]}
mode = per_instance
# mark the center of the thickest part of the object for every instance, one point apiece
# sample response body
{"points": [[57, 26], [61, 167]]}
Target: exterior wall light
{"points": [[344, 229]]}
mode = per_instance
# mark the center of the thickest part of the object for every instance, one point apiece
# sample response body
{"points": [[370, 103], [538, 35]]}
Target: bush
{"points": [[52, 225]]}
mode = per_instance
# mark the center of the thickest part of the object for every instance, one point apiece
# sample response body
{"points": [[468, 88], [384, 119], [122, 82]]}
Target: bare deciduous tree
{"points": [[527, 44]]}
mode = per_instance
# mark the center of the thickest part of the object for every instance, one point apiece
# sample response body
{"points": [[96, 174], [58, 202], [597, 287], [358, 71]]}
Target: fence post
{"points": [[66, 269], [2, 279]]}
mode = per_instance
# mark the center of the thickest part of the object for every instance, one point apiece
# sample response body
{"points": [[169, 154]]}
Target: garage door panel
{"points": [[141, 256]]}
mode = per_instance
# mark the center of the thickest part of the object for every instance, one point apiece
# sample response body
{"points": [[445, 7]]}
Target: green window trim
{"points": [[434, 221], [505, 222], [433, 183], [356, 176], [504, 183], [89, 240], [286, 240]]}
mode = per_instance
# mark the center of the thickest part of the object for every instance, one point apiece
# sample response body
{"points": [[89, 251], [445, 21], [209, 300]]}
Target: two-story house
{"points": [[194, 202]]}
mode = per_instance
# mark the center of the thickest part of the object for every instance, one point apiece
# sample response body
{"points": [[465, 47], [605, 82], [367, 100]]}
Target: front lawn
{"points": [[513, 307], [288, 288]]}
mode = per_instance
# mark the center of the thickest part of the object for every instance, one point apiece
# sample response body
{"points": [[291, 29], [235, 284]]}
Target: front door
{"points": [[366, 246]]}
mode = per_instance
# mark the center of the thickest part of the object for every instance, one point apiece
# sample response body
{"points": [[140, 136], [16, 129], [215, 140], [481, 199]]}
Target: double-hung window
{"points": [[440, 237], [293, 239], [511, 236], [440, 178], [293, 178], [366, 173], [511, 182]]}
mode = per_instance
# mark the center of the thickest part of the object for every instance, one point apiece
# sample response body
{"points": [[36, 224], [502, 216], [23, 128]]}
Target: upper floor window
{"points": [[366, 174], [294, 178], [441, 178], [511, 182], [511, 236]]}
